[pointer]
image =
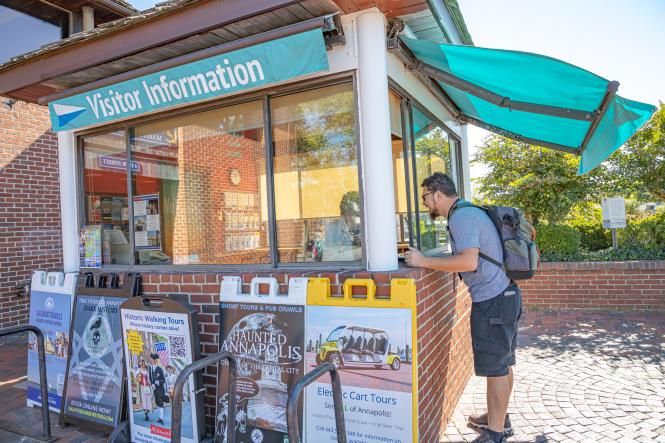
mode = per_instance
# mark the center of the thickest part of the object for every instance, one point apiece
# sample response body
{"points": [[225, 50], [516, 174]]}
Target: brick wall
{"points": [[444, 347], [637, 285], [30, 230]]}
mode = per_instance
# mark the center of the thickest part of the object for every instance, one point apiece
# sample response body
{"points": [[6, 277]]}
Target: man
{"points": [[497, 302], [158, 380], [341, 241]]}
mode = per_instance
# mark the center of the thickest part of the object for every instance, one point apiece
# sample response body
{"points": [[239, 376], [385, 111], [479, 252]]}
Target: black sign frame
{"points": [[101, 284], [175, 305], [267, 305]]}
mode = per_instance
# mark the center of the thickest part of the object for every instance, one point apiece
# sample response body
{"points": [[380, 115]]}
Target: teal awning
{"points": [[529, 97]]}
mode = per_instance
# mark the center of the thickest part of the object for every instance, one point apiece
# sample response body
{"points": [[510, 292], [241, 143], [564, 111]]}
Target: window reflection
{"points": [[105, 191], [197, 188], [432, 154], [317, 203]]}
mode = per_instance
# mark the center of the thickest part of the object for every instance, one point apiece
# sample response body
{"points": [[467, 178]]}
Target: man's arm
{"points": [[463, 261]]}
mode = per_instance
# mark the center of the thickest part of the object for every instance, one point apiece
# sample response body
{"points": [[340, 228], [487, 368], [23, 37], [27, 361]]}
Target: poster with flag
{"points": [[163, 353], [157, 346]]}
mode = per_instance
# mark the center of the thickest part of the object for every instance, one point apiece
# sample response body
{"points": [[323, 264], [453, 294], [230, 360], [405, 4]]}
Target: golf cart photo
{"points": [[358, 346]]}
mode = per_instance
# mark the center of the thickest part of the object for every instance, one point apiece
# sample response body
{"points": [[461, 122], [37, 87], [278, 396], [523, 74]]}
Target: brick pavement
{"points": [[581, 377], [13, 409]]}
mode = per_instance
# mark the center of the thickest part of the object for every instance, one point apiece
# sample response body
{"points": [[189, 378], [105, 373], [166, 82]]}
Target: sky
{"points": [[621, 40], [617, 39]]}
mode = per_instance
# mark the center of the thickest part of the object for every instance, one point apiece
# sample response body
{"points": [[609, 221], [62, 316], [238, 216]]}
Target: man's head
{"points": [[438, 194], [155, 358]]}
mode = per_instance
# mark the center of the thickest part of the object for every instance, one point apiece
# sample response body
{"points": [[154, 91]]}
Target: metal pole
{"points": [[43, 385], [176, 413], [614, 239], [338, 402]]}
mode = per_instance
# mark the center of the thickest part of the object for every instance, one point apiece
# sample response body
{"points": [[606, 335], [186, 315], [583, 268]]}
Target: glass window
{"points": [[401, 167], [196, 188], [317, 204], [105, 193], [432, 154]]}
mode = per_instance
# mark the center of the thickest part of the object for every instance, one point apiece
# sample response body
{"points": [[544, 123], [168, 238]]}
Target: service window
{"points": [[317, 204]]}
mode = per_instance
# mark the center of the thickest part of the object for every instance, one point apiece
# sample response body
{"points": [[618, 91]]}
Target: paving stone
{"points": [[585, 377]]}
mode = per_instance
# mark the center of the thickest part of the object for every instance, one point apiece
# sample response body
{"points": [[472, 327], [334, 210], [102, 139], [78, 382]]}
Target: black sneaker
{"points": [[485, 437], [480, 421]]}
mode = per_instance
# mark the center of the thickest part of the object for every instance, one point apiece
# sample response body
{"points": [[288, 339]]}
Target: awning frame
{"points": [[425, 70]]}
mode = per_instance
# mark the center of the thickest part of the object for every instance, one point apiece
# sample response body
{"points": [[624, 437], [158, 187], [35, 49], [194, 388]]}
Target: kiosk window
{"points": [[432, 154], [317, 204], [197, 188], [421, 146], [104, 159]]}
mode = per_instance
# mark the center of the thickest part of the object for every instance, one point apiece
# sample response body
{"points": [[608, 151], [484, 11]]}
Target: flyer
{"points": [[158, 346], [370, 346], [94, 378], [147, 223], [50, 310], [268, 341], [90, 247]]}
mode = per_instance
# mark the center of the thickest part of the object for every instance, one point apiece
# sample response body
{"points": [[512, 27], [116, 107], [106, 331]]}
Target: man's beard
{"points": [[434, 214]]}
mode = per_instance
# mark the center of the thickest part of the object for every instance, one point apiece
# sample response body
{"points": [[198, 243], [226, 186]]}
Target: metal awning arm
{"points": [[612, 88], [519, 138], [403, 53]]}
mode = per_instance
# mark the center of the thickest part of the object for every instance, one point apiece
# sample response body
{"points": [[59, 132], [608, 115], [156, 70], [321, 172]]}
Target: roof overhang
{"points": [[183, 27]]}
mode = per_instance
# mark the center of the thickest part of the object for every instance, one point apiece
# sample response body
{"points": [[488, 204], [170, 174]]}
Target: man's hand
{"points": [[414, 258], [464, 261]]}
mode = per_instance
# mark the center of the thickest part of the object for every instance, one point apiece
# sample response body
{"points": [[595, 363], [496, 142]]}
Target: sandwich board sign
{"points": [[161, 339], [93, 390], [50, 310], [265, 331]]}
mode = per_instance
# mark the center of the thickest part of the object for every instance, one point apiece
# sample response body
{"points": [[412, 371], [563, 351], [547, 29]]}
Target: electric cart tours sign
{"points": [[239, 70]]}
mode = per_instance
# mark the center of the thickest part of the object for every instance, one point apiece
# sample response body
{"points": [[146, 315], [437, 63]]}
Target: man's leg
{"points": [[498, 395]]}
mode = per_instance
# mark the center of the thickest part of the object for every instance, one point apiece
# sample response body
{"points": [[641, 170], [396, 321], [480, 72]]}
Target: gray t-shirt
{"points": [[472, 228]]}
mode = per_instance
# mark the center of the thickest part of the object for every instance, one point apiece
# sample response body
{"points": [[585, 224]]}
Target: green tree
{"points": [[541, 182], [639, 167]]}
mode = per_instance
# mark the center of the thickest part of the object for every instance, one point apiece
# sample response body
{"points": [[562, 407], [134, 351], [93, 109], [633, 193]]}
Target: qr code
{"points": [[177, 347]]}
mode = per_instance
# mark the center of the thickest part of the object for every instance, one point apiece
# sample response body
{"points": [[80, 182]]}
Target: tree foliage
{"points": [[639, 167], [541, 182]]}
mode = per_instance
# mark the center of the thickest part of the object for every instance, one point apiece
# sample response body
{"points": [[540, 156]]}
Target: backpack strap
{"points": [[465, 204]]}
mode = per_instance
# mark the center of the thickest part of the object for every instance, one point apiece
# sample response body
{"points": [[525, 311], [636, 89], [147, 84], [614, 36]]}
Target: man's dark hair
{"points": [[440, 182]]}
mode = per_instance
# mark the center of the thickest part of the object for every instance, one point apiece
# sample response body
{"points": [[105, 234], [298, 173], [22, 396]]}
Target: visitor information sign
{"points": [[255, 66], [94, 380], [265, 332], [50, 310], [158, 345]]}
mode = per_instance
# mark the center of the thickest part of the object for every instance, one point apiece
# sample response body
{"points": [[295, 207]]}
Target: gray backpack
{"points": [[517, 236]]}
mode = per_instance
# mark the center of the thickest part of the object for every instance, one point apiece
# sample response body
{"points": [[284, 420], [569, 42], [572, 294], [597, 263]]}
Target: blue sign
{"points": [[51, 313], [110, 162], [246, 68]]}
